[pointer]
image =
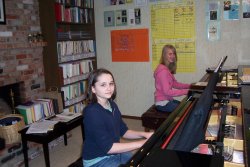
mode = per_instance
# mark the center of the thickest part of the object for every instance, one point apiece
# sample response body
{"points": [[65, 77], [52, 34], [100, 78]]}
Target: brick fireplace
{"points": [[21, 61], [10, 97]]}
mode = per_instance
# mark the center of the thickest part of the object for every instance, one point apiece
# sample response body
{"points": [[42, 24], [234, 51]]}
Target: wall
{"points": [[135, 83], [21, 61]]}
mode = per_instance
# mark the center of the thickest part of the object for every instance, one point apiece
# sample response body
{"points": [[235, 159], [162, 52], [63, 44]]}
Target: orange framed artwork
{"points": [[130, 45]]}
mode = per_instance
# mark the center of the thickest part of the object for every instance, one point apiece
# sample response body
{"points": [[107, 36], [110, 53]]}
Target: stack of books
{"points": [[38, 109]]}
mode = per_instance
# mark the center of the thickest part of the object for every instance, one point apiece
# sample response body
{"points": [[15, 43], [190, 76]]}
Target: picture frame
{"points": [[109, 18], [121, 17], [2, 12]]}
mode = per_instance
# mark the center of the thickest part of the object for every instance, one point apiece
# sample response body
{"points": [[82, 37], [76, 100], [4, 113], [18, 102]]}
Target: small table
{"points": [[60, 129]]}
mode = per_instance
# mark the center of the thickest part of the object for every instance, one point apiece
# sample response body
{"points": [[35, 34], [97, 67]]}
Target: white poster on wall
{"points": [[141, 2], [246, 8]]}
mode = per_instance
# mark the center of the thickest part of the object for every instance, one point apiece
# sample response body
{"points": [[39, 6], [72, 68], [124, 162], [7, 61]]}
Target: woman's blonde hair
{"points": [[171, 66]]}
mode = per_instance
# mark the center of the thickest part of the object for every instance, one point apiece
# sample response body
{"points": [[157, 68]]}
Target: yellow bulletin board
{"points": [[130, 45], [174, 23]]}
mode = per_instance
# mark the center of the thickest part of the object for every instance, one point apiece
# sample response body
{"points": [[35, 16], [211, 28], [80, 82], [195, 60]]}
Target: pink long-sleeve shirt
{"points": [[166, 86]]}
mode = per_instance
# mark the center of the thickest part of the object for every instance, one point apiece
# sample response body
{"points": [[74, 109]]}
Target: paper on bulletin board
{"points": [[213, 20], [174, 23], [109, 18], [185, 51], [231, 9], [213, 30], [212, 10], [246, 8], [130, 45]]}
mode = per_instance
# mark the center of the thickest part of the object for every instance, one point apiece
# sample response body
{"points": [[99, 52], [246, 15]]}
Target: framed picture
{"points": [[121, 17], [109, 18], [2, 12]]}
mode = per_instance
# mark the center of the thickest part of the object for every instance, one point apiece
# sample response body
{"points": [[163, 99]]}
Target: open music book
{"points": [[245, 75], [41, 126], [65, 116]]}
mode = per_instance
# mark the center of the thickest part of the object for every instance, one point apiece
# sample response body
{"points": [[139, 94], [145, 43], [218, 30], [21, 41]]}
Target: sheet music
{"points": [[65, 116], [41, 127], [245, 78], [245, 75], [246, 71]]}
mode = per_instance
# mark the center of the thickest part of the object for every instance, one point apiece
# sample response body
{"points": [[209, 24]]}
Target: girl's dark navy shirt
{"points": [[102, 129]]}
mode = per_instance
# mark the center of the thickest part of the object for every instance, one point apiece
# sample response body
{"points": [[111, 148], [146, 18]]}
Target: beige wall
{"points": [[135, 83]]}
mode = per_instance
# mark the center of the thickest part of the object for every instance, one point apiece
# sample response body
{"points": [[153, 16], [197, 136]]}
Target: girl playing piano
{"points": [[104, 126]]}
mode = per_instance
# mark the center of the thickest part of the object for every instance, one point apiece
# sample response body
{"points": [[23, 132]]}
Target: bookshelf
{"points": [[70, 55]]}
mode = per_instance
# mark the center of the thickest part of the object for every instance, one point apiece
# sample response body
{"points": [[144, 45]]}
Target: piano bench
{"points": [[152, 119]]}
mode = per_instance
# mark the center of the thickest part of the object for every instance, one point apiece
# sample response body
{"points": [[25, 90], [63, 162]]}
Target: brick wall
{"points": [[21, 61]]}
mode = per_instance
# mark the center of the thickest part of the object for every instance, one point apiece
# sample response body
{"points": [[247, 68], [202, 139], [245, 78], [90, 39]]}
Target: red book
{"points": [[58, 12], [67, 15]]}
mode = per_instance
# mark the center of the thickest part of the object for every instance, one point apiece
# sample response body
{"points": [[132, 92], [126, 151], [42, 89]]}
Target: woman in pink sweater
{"points": [[166, 86]]}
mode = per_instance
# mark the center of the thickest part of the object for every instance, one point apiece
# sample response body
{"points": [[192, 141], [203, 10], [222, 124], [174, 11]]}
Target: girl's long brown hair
{"points": [[92, 79]]}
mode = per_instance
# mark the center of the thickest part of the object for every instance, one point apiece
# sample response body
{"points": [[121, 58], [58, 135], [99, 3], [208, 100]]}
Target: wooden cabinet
{"points": [[69, 29]]}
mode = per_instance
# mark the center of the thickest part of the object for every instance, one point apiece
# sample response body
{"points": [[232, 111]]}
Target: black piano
{"points": [[210, 128]]}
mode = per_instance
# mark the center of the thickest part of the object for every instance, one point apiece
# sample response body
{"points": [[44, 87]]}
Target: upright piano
{"points": [[210, 128]]}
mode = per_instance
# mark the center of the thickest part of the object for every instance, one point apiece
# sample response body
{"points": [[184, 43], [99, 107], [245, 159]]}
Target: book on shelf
{"points": [[74, 90], [76, 108], [68, 48], [79, 3], [67, 15], [73, 35], [65, 59], [59, 12], [72, 14], [76, 68]]}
